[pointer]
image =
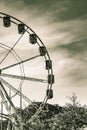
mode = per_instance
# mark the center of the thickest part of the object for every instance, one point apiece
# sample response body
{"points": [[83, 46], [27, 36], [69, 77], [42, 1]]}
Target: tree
{"points": [[73, 117]]}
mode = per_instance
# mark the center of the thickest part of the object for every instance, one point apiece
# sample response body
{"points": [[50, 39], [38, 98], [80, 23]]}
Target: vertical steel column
{"points": [[1, 115]]}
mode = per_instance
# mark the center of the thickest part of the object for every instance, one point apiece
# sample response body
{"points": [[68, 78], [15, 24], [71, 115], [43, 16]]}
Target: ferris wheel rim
{"points": [[5, 14], [45, 57]]}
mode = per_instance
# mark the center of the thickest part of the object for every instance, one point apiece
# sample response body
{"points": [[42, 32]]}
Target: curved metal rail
{"points": [[50, 79]]}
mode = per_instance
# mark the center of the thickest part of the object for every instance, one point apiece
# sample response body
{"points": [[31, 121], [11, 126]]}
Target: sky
{"points": [[62, 26]]}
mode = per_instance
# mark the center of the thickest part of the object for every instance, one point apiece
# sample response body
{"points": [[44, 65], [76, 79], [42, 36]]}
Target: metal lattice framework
{"points": [[17, 70]]}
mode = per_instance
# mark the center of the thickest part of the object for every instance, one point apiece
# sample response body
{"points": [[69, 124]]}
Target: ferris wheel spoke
{"points": [[4, 115], [15, 90], [12, 47], [7, 49], [20, 62], [15, 70], [5, 46], [24, 78]]}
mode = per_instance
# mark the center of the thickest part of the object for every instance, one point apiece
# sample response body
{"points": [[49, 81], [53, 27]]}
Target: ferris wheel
{"points": [[26, 73]]}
